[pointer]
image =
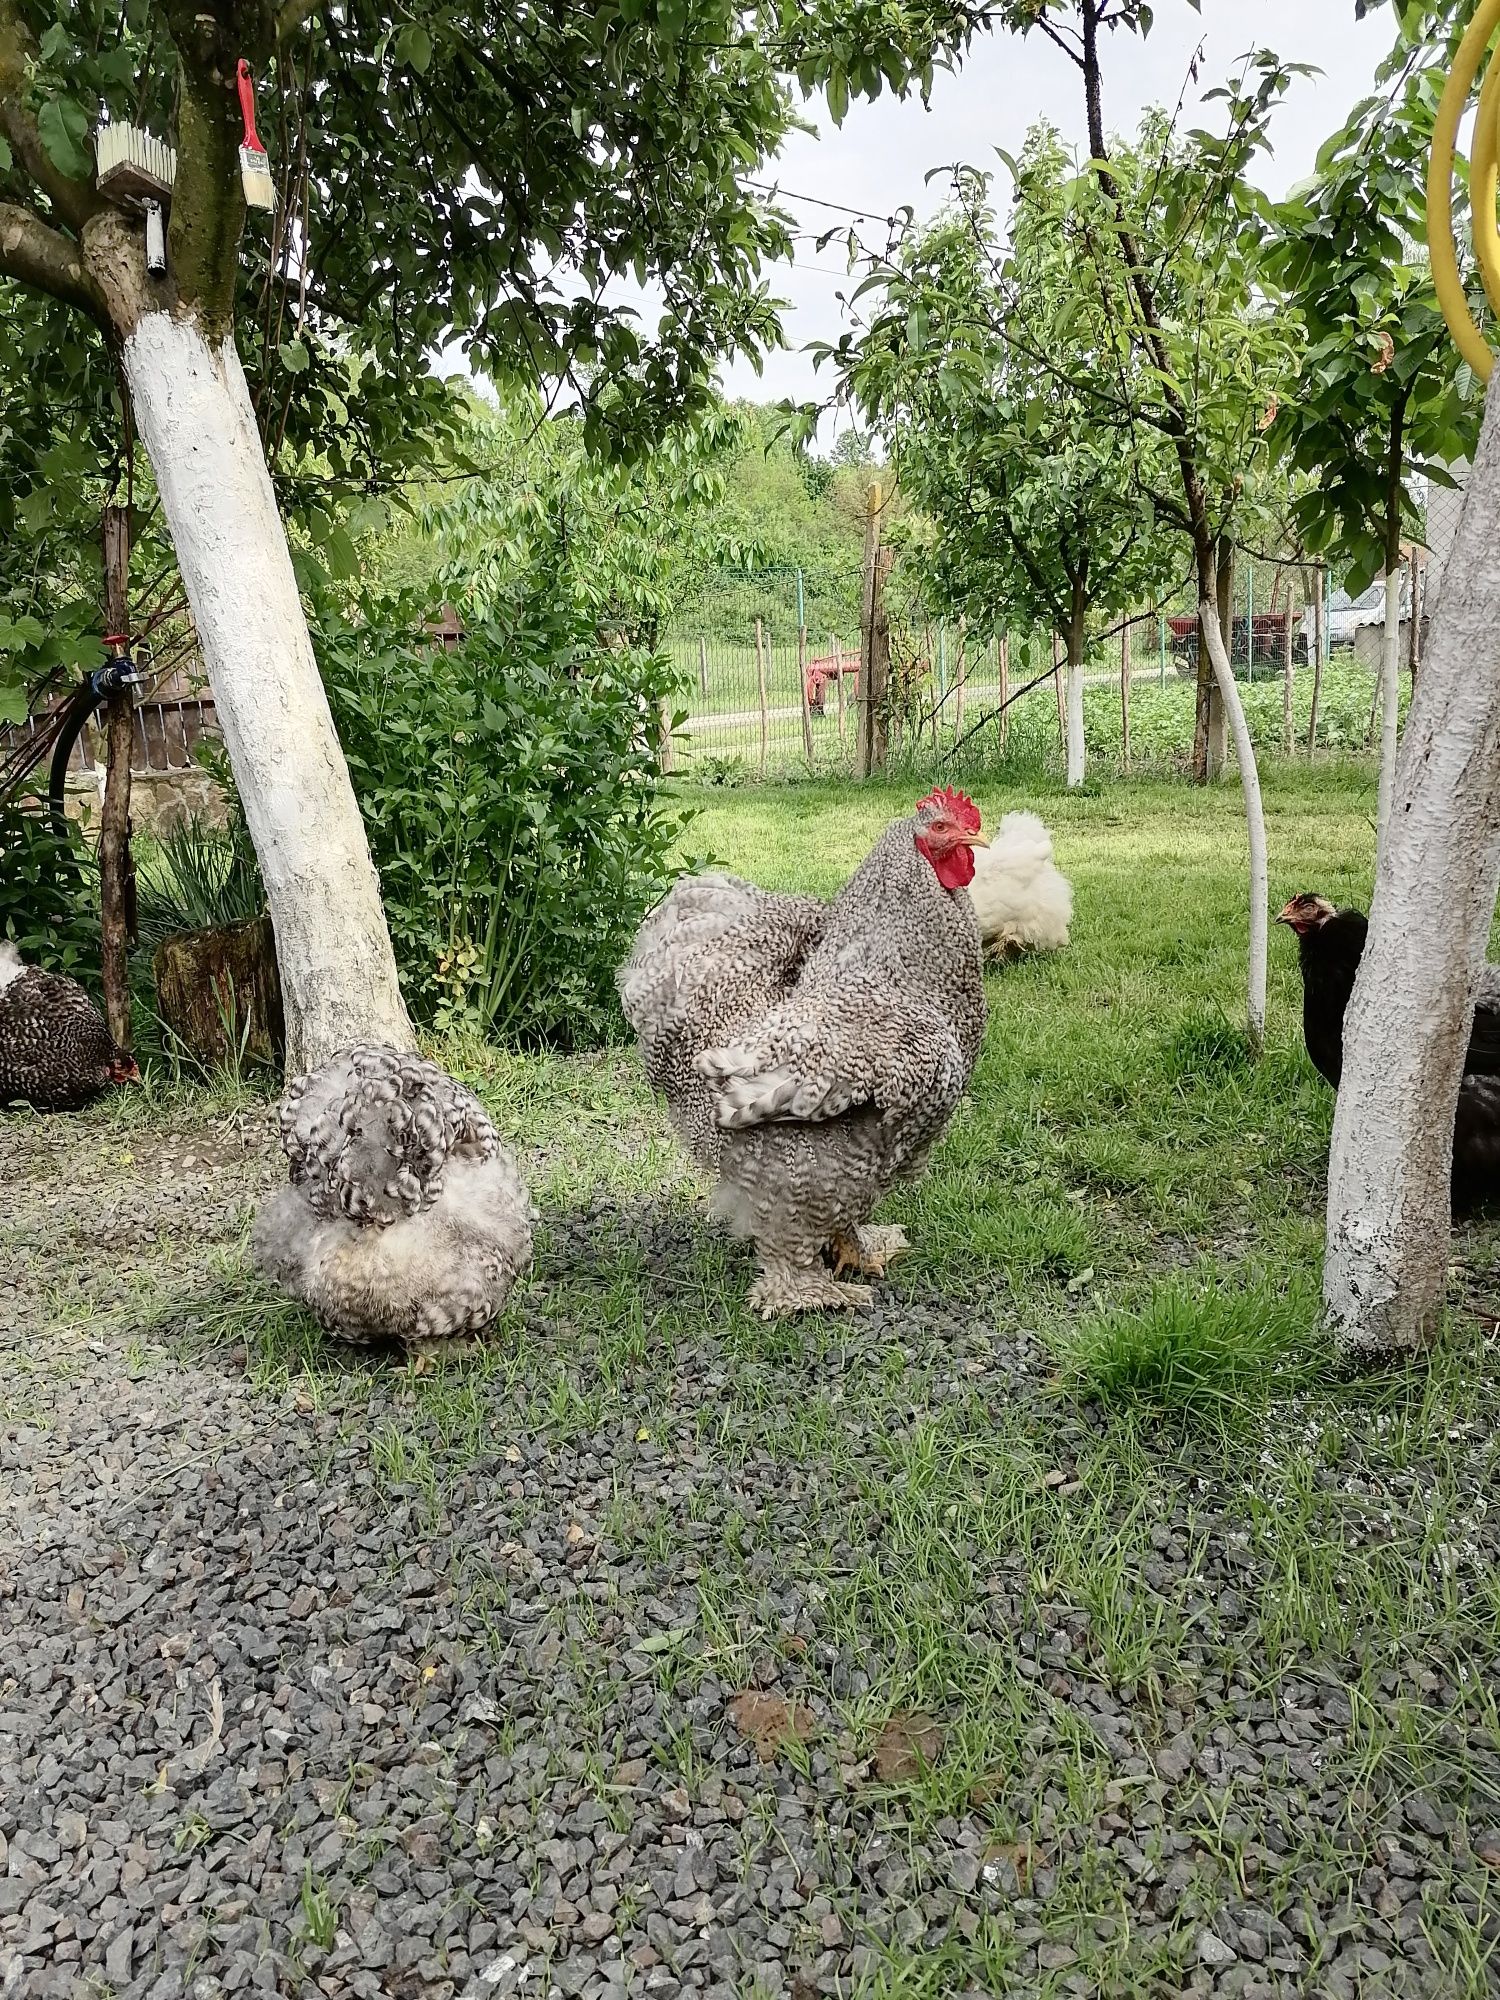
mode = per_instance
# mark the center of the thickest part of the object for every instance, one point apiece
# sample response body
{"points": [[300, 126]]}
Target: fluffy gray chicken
{"points": [[810, 1054], [55, 1052], [405, 1218]]}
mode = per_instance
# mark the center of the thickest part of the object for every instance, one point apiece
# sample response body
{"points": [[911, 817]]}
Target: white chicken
{"points": [[406, 1219], [1022, 900]]}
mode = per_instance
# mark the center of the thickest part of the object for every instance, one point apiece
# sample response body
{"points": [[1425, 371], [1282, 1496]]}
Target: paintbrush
{"points": [[255, 168]]}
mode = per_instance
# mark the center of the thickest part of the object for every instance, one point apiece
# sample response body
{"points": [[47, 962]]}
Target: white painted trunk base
{"points": [[193, 413], [1255, 820], [1077, 752], [1408, 1022]]}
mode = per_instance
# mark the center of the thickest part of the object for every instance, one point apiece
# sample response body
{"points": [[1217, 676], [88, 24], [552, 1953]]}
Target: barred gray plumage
{"points": [[811, 1054], [406, 1219], [55, 1051]]}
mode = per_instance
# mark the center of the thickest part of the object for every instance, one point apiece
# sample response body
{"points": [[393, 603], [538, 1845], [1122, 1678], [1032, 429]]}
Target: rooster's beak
{"points": [[973, 840], [1288, 916]]}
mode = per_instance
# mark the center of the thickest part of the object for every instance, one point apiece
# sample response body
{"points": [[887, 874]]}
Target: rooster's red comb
{"points": [[957, 804]]}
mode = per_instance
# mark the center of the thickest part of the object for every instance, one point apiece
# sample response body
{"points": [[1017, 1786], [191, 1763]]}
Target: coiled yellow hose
{"points": [[1448, 283]]}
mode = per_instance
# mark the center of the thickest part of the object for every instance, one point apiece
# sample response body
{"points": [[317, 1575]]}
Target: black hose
{"points": [[76, 716]]}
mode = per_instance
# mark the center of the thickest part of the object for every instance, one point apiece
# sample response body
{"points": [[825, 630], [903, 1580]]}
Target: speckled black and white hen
{"points": [[811, 1054], [406, 1219], [55, 1051]]}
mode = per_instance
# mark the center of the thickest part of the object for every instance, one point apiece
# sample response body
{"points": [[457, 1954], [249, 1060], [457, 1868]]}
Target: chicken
{"points": [[1021, 899], [1330, 945], [55, 1051], [406, 1219], [811, 1054]]}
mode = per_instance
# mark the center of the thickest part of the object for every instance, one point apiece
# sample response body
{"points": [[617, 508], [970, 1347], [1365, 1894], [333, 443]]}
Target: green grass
{"points": [[1128, 1203]]}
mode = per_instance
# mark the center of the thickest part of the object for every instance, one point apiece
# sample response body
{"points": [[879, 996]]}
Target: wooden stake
{"points": [[960, 676], [703, 666], [1286, 678], [664, 753], [874, 650], [1125, 696], [760, 679], [807, 736], [1002, 650], [838, 661], [1317, 686], [1057, 683], [116, 868]]}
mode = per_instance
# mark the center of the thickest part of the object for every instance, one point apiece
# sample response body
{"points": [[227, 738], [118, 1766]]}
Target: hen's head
{"points": [[1306, 914], [947, 834]]}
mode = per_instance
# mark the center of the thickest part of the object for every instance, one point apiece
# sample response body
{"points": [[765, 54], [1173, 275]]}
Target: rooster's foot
{"points": [[783, 1290], [868, 1249]]}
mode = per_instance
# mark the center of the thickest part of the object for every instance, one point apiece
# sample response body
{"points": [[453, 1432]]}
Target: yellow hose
{"points": [[1482, 189]]}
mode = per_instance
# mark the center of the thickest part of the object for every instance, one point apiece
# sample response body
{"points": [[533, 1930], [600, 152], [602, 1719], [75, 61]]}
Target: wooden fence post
{"points": [[1002, 649], [838, 662], [1286, 678], [664, 746], [1317, 686], [1057, 682], [807, 736], [874, 648], [1125, 697], [116, 869], [703, 666], [760, 681]]}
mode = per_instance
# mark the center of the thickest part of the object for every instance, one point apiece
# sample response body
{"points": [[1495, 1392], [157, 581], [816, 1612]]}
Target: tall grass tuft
{"points": [[1204, 1346], [199, 876]]}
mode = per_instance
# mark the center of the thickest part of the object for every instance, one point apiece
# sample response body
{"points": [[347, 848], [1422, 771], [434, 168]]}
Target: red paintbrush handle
{"points": [[247, 105]]}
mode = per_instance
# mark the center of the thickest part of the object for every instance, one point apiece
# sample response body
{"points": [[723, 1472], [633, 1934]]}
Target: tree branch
{"points": [[75, 201], [35, 254]]}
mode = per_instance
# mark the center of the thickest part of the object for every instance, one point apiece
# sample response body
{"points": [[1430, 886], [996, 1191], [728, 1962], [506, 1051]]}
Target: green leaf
{"points": [[294, 356], [414, 47], [64, 125]]}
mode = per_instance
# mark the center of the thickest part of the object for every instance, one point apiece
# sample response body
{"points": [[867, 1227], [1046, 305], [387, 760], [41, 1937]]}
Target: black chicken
{"points": [[1330, 944], [55, 1051]]}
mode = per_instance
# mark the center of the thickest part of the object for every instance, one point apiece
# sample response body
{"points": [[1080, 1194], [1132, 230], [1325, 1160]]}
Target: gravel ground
{"points": [[596, 1669]]}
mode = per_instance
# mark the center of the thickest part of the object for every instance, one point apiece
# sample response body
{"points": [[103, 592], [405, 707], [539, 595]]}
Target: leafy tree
{"points": [[1185, 260], [1381, 398], [1036, 499], [459, 174]]}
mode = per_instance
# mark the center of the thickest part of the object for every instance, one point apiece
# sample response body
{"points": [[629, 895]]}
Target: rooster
{"points": [[405, 1218], [1021, 899], [55, 1052], [810, 1053], [1330, 945]]}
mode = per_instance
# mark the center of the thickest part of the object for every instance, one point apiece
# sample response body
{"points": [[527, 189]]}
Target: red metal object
{"points": [[829, 667]]}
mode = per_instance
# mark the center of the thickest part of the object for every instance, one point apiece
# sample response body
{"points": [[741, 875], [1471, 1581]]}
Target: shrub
{"points": [[49, 894], [509, 792]]}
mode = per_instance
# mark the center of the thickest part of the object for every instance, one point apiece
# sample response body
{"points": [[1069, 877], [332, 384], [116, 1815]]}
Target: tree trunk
{"points": [[1077, 751], [1125, 698], [1390, 668], [116, 869], [193, 414], [218, 994], [1255, 819], [1408, 1023], [1218, 732]]}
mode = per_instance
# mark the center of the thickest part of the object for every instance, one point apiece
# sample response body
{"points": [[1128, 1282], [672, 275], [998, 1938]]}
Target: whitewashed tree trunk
{"points": [[193, 414], [1077, 753], [1255, 820], [1390, 668], [1408, 1022]]}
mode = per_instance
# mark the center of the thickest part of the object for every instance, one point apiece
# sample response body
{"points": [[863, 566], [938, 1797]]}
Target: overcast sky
{"points": [[878, 160]]}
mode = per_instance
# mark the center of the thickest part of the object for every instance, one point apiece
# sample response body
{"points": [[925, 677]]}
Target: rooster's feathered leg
{"points": [[868, 1249], [786, 1286]]}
